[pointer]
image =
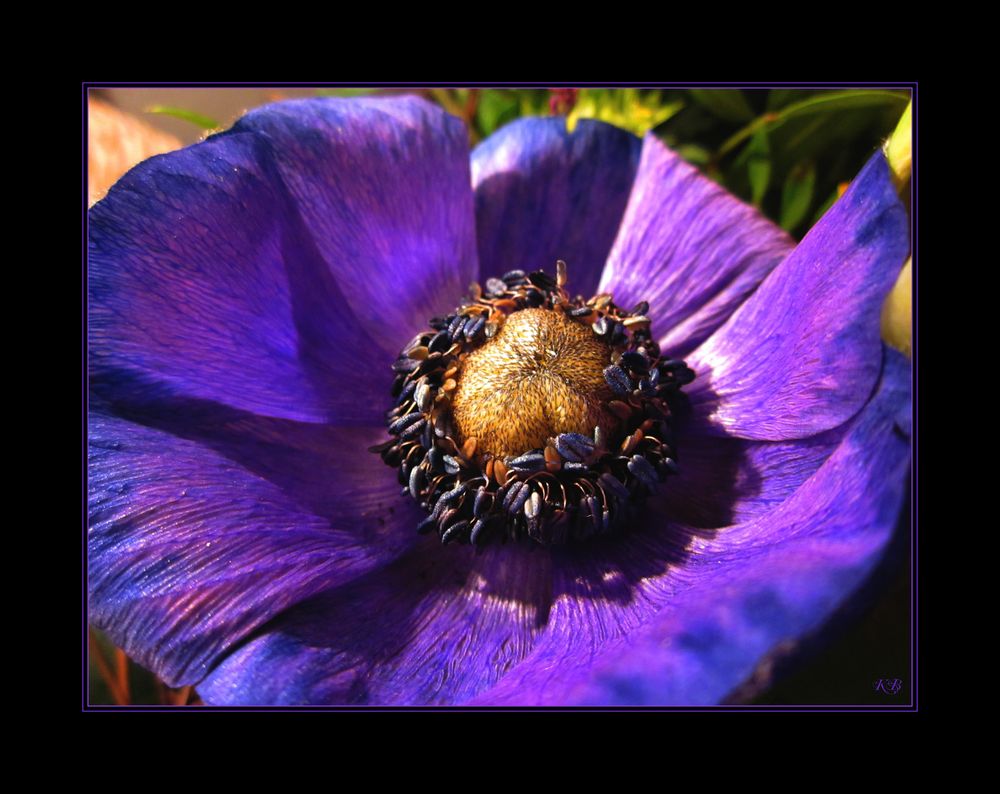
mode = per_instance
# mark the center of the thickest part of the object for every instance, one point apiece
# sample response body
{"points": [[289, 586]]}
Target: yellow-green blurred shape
{"points": [[896, 313], [898, 149], [627, 108], [897, 310]]}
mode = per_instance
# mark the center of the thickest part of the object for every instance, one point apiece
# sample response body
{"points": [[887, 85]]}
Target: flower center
{"points": [[541, 375], [530, 413]]}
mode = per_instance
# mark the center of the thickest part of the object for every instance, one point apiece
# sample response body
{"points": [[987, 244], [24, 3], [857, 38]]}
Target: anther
{"points": [[526, 412]]}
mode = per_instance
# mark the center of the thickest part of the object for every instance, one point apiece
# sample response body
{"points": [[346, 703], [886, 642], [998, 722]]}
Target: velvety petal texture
{"points": [[801, 355], [436, 627], [194, 542], [688, 247], [233, 367], [694, 633], [544, 194], [382, 186], [519, 625], [223, 273], [726, 480]]}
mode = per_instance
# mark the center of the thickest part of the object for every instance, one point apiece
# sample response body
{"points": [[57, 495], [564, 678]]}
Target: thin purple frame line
{"points": [[557, 83], [914, 351], [914, 608]]}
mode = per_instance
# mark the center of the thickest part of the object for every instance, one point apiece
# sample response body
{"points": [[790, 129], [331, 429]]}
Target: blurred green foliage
{"points": [[785, 150], [629, 108]]}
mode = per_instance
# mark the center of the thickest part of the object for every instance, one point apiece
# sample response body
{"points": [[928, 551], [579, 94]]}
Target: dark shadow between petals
{"points": [[866, 640], [434, 596], [311, 463], [431, 593], [315, 297]]}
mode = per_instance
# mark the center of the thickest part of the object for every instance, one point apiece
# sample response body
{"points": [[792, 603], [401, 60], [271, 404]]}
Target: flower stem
{"points": [[117, 694], [121, 666]]}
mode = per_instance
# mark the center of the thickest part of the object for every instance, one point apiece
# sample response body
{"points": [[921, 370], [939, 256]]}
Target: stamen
{"points": [[528, 412]]}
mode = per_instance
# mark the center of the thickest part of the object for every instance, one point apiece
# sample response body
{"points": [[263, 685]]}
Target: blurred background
{"points": [[791, 152], [788, 151]]}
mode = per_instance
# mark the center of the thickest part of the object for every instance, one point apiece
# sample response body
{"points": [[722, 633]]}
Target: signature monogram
{"points": [[888, 686]]}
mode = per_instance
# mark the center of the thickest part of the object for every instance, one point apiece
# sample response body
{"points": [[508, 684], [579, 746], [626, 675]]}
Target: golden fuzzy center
{"points": [[542, 374]]}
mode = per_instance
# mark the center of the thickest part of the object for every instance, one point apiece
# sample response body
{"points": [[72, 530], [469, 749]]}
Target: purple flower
{"points": [[247, 296]]}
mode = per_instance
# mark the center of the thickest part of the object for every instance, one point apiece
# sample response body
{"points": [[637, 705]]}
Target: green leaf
{"points": [[829, 138], [728, 104], [844, 100], [816, 105], [797, 195], [758, 166], [191, 116], [496, 108], [777, 98], [694, 154]]}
